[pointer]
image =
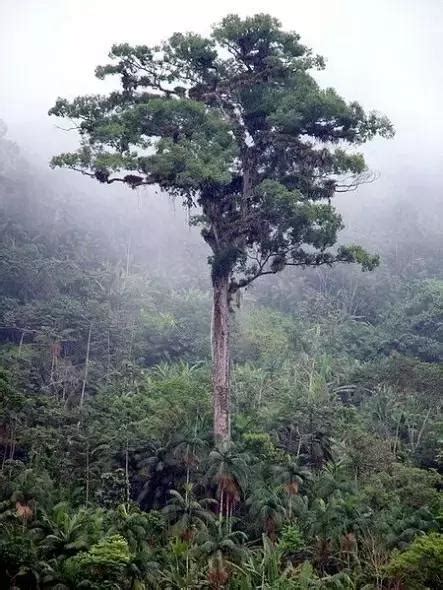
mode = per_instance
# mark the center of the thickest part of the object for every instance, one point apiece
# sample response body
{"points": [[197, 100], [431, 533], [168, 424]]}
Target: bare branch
{"points": [[74, 128], [353, 183], [129, 179], [261, 272]]}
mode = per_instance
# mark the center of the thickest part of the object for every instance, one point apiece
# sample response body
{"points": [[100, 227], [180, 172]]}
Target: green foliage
{"points": [[18, 558], [413, 323], [261, 446], [291, 540], [421, 565], [333, 479], [236, 124], [103, 566], [112, 489]]}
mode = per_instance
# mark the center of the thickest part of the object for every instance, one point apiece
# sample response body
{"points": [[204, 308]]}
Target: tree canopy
{"points": [[237, 126]]}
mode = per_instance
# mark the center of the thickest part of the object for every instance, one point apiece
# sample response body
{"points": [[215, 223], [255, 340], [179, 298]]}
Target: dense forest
{"points": [[109, 475]]}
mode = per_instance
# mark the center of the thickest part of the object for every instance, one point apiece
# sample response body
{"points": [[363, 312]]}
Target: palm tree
{"points": [[228, 471], [186, 514], [332, 523], [30, 489], [332, 477], [290, 476], [223, 549], [63, 534], [320, 449], [267, 509], [189, 450], [156, 474]]}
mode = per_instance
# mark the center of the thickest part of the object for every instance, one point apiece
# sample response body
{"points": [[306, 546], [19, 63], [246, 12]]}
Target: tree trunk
{"points": [[85, 376], [221, 361]]}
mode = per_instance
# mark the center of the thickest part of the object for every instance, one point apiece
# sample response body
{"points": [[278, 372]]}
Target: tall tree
{"points": [[236, 126]]}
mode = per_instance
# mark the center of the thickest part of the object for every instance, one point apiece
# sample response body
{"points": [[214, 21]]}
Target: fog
{"points": [[385, 53]]}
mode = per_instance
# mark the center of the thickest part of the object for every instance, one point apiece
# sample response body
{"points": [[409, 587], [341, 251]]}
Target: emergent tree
{"points": [[235, 125]]}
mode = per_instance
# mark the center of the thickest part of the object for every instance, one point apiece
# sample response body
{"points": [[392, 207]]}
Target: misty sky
{"points": [[385, 53]]}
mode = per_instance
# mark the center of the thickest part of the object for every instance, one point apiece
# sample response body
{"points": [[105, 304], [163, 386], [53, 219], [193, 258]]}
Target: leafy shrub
{"points": [[419, 567], [103, 566]]}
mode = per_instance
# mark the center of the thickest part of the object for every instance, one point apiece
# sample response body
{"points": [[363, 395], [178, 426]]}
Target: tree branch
{"points": [[132, 180], [261, 273]]}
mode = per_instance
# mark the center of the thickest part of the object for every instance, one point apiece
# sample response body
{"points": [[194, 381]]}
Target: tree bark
{"points": [[85, 376], [221, 361]]}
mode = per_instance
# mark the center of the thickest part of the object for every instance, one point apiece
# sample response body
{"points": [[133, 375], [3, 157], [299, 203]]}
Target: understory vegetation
{"points": [[108, 476]]}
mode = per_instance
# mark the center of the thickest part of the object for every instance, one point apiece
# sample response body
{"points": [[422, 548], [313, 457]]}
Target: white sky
{"points": [[387, 54]]}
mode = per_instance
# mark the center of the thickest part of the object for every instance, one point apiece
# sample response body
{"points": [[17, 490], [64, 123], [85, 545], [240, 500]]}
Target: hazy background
{"points": [[385, 53]]}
